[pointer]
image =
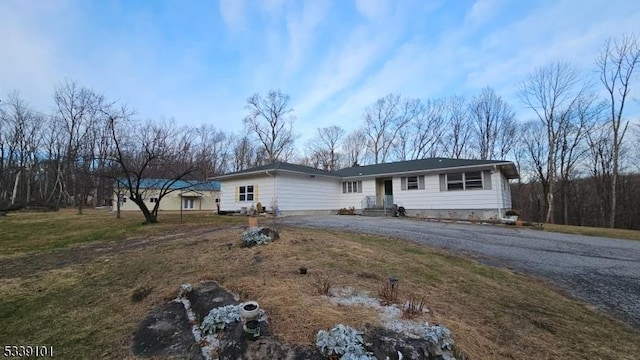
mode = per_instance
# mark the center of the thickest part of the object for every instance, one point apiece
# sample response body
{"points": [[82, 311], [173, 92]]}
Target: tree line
{"points": [[575, 155]]}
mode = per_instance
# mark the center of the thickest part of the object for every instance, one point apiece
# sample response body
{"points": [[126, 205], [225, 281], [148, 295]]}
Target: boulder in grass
{"points": [[258, 236]]}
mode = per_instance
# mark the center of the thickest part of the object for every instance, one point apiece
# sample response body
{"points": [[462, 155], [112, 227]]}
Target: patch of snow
{"points": [[390, 315]]}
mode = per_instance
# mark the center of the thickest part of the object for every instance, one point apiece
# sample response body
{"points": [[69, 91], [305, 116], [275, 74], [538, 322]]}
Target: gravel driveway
{"points": [[601, 271]]}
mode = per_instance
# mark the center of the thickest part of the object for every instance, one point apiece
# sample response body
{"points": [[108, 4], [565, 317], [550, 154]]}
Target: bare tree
{"points": [[145, 152], [383, 121], [601, 167], [420, 136], [457, 137], [323, 147], [354, 147], [77, 111], [494, 125], [244, 153], [212, 147], [551, 92], [270, 121], [617, 65], [573, 144], [22, 135]]}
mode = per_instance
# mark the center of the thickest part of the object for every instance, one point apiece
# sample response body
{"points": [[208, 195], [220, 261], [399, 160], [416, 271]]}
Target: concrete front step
{"points": [[376, 212]]}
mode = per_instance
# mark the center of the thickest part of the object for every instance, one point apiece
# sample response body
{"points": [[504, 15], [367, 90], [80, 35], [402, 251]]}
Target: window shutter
{"points": [[443, 182], [360, 187], [486, 181], [344, 187], [237, 194], [421, 182], [403, 183], [255, 193]]}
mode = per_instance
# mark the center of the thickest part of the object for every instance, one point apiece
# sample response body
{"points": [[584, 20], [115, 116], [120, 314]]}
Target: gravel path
{"points": [[600, 271]]}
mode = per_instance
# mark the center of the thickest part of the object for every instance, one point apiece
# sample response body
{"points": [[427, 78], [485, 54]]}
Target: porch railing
{"points": [[368, 202], [387, 202]]}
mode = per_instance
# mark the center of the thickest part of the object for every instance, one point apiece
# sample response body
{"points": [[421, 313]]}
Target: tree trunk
{"points": [[149, 217], [565, 202], [614, 181], [118, 206], [15, 187]]}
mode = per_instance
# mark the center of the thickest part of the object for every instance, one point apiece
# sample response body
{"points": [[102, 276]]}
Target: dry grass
{"points": [[85, 310], [414, 306], [38, 231], [594, 231]]}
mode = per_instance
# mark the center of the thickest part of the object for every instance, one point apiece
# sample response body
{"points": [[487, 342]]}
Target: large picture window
{"points": [[246, 193], [465, 181]]}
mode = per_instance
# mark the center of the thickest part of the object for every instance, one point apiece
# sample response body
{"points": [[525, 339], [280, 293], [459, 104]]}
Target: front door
{"points": [[388, 193]]}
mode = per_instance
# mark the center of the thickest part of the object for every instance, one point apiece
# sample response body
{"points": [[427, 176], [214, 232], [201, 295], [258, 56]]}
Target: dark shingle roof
{"points": [[282, 166], [381, 169], [421, 165]]}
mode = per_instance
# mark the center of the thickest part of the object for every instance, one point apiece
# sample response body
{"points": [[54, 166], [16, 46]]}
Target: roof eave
{"points": [[274, 171], [447, 169]]}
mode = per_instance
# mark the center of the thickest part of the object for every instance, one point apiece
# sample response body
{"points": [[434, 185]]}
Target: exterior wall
{"points": [[264, 183], [302, 192], [205, 200], [431, 202], [506, 193], [290, 192], [355, 199]]}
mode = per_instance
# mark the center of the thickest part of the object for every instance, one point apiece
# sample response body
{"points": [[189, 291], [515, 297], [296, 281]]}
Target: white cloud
{"points": [[373, 9], [301, 27], [482, 12], [233, 13]]}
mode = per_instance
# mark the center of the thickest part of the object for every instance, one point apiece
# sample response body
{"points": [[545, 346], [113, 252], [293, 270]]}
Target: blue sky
{"points": [[198, 61]]}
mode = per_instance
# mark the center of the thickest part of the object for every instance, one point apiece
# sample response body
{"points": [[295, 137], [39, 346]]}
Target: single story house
{"points": [[187, 195], [434, 187]]}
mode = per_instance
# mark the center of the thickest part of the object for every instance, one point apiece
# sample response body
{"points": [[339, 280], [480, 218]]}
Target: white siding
{"points": [[303, 192], [228, 195], [431, 198], [291, 192], [506, 193], [355, 199]]}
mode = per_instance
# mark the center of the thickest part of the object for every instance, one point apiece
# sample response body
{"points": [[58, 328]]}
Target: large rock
{"points": [[166, 333], [385, 344]]}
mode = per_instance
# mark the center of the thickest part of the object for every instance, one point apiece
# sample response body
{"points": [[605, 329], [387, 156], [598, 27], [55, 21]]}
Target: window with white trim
{"points": [[412, 182], [246, 193], [349, 187], [465, 181], [153, 200], [187, 203]]}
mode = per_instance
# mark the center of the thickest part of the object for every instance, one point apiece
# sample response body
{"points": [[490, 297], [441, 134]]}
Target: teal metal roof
{"points": [[178, 185]]}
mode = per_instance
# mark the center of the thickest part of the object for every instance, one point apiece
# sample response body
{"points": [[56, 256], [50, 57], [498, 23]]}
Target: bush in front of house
{"points": [[512, 212], [347, 211]]}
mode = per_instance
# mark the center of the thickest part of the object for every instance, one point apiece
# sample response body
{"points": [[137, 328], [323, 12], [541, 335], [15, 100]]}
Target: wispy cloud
{"points": [[198, 61], [233, 13]]}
